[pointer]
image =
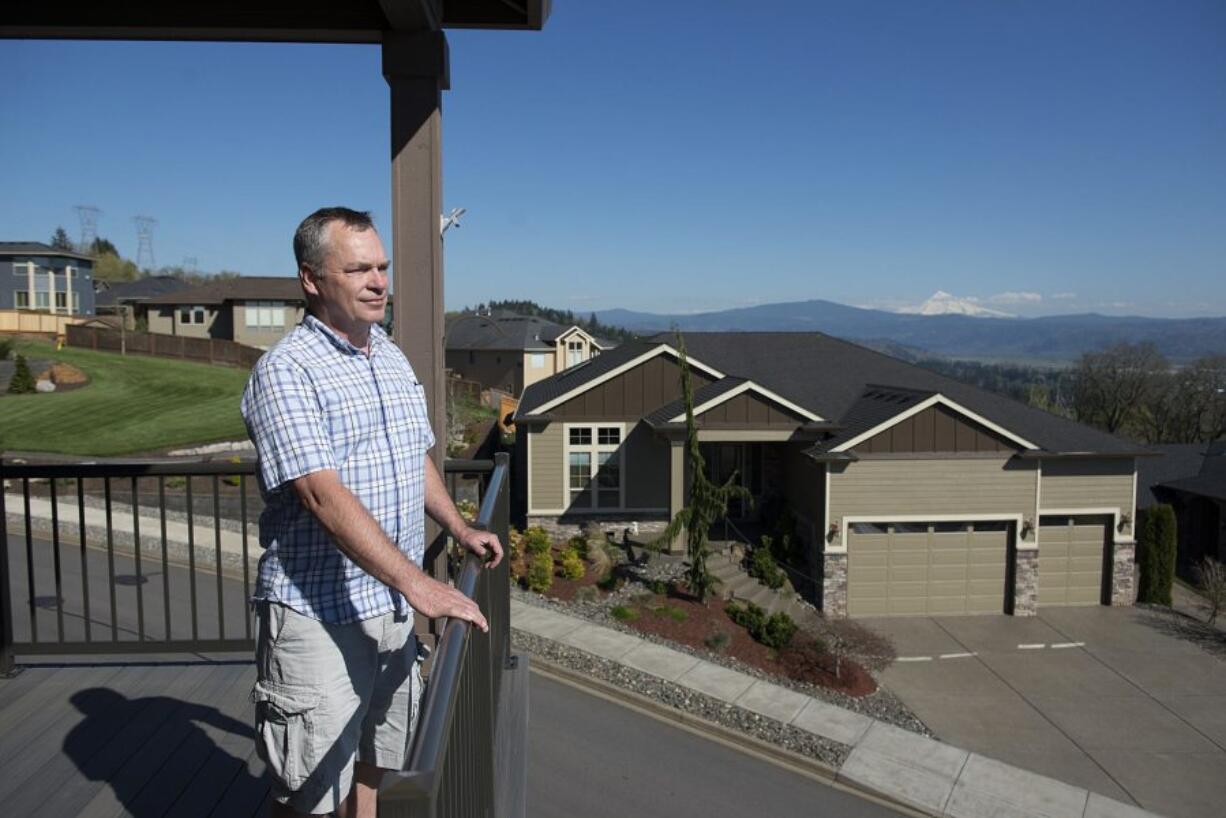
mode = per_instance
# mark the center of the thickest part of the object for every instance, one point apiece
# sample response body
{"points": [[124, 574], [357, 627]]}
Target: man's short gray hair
{"points": [[311, 237]]}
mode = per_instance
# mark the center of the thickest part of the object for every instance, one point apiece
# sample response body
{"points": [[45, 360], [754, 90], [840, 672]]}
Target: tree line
{"points": [[1130, 390], [590, 325], [111, 267]]}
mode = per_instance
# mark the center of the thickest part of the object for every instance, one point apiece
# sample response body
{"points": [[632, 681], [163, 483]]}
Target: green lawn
{"points": [[132, 404]]}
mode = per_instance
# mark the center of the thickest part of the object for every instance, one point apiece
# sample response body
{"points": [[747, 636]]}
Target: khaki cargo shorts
{"points": [[326, 695]]}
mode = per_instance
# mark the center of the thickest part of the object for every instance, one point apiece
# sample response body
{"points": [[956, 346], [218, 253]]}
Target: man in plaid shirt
{"points": [[341, 430]]}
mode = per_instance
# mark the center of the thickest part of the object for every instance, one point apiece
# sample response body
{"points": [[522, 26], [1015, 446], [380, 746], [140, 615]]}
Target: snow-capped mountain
{"points": [[943, 303]]}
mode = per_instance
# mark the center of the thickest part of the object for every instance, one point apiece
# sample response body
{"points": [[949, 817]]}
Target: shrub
{"points": [[674, 613], [578, 544], [611, 581], [176, 482], [536, 540], [775, 631], [22, 382], [623, 613], [717, 641], [6, 346], [540, 573], [1211, 575], [1156, 545], [658, 587], [586, 594], [750, 617], [763, 568], [572, 564]]}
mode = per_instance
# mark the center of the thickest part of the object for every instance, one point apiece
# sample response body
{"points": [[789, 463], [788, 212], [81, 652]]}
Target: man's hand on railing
{"points": [[434, 599], [481, 543]]}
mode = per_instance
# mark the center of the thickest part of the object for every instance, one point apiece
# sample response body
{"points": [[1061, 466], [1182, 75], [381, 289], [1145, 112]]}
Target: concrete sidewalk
{"points": [[202, 537], [931, 776]]}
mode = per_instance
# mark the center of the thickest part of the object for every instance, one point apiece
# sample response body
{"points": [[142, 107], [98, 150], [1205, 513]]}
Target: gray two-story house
{"points": [[38, 277]]}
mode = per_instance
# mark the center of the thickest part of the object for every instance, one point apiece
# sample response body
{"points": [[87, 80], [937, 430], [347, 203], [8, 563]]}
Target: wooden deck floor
{"points": [[140, 738]]}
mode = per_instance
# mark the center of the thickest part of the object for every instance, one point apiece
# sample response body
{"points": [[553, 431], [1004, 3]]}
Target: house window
{"points": [[76, 302], [594, 467], [537, 360], [191, 315], [42, 300], [21, 300], [574, 353], [265, 314], [61, 301]]}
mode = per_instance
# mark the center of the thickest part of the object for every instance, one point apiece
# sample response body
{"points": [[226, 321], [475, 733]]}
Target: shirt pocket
{"points": [[408, 417]]}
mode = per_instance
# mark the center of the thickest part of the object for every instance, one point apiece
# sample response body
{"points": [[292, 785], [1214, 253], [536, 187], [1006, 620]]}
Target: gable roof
{"points": [[505, 330], [142, 289], [243, 288], [847, 384], [37, 248]]}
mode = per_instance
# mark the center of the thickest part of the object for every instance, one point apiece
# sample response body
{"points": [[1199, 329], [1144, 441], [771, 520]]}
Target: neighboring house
{"points": [[914, 493], [130, 298], [37, 276], [507, 351], [1192, 478], [253, 310]]}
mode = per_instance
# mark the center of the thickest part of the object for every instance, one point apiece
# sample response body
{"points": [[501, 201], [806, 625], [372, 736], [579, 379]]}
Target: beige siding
{"points": [[164, 320], [1069, 484], [264, 336], [647, 469], [546, 467], [933, 486], [532, 374], [161, 320]]}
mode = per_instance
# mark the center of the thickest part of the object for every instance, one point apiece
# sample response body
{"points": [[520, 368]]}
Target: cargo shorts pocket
{"points": [[283, 721]]}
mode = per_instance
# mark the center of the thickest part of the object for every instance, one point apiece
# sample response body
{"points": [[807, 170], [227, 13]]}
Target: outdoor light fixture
{"points": [[1027, 528], [1125, 523], [833, 533]]}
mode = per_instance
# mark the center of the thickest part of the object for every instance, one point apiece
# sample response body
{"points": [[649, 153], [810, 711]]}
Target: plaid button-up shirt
{"points": [[316, 402]]}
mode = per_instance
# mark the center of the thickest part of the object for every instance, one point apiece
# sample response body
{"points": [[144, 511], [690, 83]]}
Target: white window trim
{"points": [[1097, 511], [626, 367], [742, 389], [848, 520], [594, 466], [253, 308], [921, 406]]}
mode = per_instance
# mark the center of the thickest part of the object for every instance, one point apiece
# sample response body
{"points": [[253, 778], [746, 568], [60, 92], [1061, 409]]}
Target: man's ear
{"points": [[307, 277]]}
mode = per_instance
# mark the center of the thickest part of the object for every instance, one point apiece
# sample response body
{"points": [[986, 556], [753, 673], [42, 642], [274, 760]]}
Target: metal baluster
{"points": [[221, 609], [140, 591], [191, 558], [84, 556], [242, 510], [165, 561], [55, 560], [25, 493], [110, 559]]}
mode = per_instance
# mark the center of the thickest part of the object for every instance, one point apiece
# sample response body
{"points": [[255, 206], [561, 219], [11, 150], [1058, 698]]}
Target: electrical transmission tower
{"points": [[88, 214], [144, 238], [190, 263]]}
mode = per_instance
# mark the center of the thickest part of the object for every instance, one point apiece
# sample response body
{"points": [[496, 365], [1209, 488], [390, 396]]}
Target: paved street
{"points": [[592, 758], [1100, 697]]}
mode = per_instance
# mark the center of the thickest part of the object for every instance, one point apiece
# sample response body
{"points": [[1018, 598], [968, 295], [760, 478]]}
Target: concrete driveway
{"points": [[1104, 698]]}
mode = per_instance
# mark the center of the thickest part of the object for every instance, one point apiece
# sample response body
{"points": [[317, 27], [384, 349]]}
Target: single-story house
{"points": [[1192, 478], [253, 310], [130, 298], [507, 351], [37, 276], [914, 493]]}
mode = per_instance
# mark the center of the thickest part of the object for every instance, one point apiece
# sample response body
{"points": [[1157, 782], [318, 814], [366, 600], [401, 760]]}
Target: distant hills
{"points": [[1053, 339]]}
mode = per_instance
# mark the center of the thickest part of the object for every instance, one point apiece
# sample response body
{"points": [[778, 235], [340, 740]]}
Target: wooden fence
{"points": [[205, 350], [40, 323]]}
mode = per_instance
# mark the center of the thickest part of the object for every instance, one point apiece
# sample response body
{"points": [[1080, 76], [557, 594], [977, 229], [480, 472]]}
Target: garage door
{"points": [[1071, 552], [896, 569]]}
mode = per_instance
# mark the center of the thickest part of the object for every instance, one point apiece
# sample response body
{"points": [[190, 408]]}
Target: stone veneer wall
{"points": [[834, 585], [1026, 583], [562, 528], [1123, 574]]}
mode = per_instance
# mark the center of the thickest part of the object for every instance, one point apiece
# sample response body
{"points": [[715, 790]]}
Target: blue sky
{"points": [[1040, 157]]}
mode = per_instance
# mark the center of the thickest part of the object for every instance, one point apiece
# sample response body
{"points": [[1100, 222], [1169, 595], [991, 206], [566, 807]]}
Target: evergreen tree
{"points": [[101, 246], [60, 240], [708, 501], [22, 382]]}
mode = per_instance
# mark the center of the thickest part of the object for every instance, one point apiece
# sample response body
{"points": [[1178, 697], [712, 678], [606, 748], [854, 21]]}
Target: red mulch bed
{"points": [[658, 615]]}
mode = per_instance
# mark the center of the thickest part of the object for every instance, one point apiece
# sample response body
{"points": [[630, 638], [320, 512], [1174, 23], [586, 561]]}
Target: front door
{"points": [[743, 460]]}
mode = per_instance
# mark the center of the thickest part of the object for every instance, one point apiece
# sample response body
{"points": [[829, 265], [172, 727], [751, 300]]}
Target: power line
{"points": [[88, 214]]}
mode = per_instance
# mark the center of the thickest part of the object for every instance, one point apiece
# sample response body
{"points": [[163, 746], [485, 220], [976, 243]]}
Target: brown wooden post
{"points": [[416, 69]]}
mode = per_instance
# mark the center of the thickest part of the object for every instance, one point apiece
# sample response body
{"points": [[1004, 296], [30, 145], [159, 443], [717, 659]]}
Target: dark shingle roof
{"points": [[272, 288], [877, 405], [502, 331], [1210, 480], [142, 289], [1178, 460], [37, 248], [834, 379]]}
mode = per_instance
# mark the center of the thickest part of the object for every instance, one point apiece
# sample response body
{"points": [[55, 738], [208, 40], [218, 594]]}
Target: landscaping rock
{"points": [[44, 386]]}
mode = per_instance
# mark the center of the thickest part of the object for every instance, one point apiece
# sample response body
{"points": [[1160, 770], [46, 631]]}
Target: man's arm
{"points": [[443, 511], [359, 537]]}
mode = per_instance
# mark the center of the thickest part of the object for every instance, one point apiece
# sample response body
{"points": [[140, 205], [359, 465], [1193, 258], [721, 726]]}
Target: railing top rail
{"points": [[18, 466], [438, 701], [455, 465]]}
